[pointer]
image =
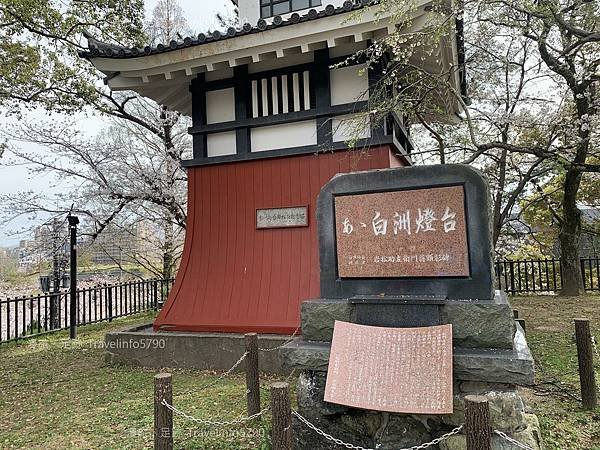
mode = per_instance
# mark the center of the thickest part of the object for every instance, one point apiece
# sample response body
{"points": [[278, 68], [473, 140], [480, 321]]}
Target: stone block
{"points": [[514, 366], [358, 427], [310, 388], [144, 347], [397, 315], [369, 429], [300, 354], [481, 325], [388, 431], [319, 316], [529, 436], [480, 388], [474, 325], [490, 365], [401, 431], [507, 411]]}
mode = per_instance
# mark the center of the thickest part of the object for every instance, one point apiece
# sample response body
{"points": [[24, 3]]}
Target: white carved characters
{"points": [[348, 228], [401, 222], [425, 220], [449, 220], [379, 225]]}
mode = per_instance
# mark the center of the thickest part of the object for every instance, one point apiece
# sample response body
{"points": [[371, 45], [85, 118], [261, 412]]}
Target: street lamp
{"points": [[73, 222]]}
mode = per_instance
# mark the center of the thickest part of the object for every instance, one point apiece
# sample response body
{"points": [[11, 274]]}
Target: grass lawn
{"points": [[57, 396], [54, 395], [550, 333]]}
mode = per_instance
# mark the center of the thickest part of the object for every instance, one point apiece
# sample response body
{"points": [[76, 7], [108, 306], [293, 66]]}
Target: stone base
{"points": [[142, 346], [373, 429], [470, 364], [490, 357], [474, 325]]}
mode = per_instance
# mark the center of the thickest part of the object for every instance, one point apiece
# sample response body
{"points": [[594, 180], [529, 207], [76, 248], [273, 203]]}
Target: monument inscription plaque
{"points": [[288, 217], [405, 233], [402, 370]]}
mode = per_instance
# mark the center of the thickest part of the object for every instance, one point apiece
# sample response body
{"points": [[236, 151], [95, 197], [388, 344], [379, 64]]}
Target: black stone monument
{"points": [[410, 247]]}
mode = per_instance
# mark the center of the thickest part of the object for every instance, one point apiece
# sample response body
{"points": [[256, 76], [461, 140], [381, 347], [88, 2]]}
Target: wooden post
{"points": [[585, 356], [522, 323], [477, 423], [282, 416], [163, 416], [252, 375]]}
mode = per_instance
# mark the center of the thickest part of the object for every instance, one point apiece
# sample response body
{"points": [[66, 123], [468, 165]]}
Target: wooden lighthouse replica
{"points": [[272, 114]]}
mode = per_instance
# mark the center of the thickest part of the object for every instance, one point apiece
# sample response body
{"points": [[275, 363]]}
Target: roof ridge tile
{"points": [[99, 49]]}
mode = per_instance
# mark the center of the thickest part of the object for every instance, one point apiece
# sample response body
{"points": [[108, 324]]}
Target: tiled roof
{"points": [[98, 49]]}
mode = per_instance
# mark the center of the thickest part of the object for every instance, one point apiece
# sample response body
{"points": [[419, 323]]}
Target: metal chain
{"points": [[225, 374], [214, 423], [358, 447], [287, 341], [512, 441], [287, 380]]}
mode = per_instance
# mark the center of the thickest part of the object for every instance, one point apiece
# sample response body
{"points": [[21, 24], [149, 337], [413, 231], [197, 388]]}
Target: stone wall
{"points": [[383, 431]]}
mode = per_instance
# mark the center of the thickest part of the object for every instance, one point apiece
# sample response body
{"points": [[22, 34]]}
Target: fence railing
{"points": [[23, 317], [542, 275]]}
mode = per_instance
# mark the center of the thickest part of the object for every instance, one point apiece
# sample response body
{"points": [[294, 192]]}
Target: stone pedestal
{"points": [[491, 358]]}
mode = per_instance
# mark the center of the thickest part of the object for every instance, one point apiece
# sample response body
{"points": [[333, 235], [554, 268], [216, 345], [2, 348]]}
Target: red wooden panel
{"points": [[235, 278]]}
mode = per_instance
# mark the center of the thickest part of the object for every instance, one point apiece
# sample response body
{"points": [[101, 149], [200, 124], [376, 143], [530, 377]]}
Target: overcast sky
{"points": [[200, 15]]}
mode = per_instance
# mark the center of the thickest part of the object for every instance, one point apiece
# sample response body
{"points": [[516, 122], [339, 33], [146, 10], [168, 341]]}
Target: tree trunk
{"points": [[499, 197], [168, 251], [171, 171], [569, 237]]}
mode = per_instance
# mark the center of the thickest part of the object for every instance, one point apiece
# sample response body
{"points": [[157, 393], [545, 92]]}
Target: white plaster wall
{"points": [[348, 85], [220, 106], [296, 134], [219, 144], [351, 126], [249, 11]]}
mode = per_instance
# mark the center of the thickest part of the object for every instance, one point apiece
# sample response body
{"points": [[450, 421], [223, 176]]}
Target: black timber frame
{"points": [[241, 94], [198, 90], [321, 110]]}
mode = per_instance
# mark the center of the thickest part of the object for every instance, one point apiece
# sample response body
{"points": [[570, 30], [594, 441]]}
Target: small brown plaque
{"points": [[288, 217], [401, 370], [412, 233]]}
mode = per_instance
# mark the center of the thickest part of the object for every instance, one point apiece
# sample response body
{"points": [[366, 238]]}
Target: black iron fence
{"points": [[23, 317], [542, 275]]}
